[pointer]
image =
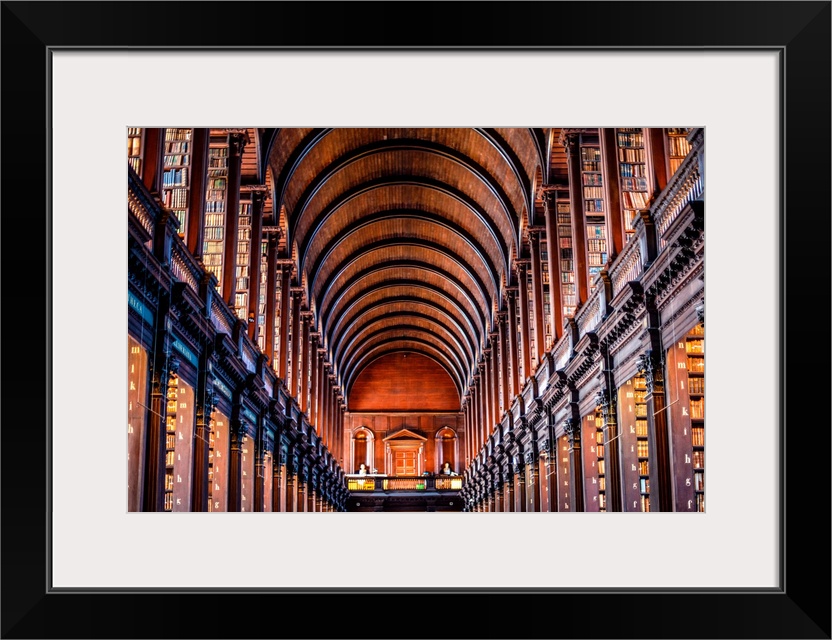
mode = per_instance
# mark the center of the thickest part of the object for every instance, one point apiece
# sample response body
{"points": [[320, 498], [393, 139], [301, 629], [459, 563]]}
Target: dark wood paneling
{"points": [[403, 382]]}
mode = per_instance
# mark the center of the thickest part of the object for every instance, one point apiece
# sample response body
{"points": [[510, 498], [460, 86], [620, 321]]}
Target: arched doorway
{"points": [[362, 448], [446, 447]]}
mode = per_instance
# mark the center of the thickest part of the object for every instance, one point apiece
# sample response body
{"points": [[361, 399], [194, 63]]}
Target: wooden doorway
{"points": [[405, 462]]}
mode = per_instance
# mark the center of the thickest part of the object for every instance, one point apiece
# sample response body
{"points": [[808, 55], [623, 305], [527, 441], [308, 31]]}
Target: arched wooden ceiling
{"points": [[404, 238]]}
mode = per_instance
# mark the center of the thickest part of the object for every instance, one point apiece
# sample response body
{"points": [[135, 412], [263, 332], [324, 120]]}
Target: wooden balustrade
{"points": [[379, 482]]}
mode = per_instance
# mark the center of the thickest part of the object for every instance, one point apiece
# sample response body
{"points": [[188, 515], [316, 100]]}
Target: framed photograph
{"points": [[754, 75]]}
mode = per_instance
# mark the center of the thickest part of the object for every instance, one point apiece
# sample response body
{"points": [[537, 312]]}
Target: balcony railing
{"points": [[376, 482]]}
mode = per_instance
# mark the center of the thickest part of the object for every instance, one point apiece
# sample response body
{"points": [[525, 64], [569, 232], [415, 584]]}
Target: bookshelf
{"points": [[592, 445], [137, 365], [170, 439], [261, 299], [278, 306], [290, 344], [211, 467], [135, 148], [600, 446], [568, 287], [179, 431], [217, 467], [563, 473], [592, 189], [176, 178], [632, 170], [268, 476], [642, 448], [243, 264], [532, 297], [546, 295], [215, 199], [695, 350], [247, 479], [678, 147], [633, 445], [686, 418], [521, 374]]}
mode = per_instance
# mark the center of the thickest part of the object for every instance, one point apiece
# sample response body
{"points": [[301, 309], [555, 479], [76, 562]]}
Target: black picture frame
{"points": [[800, 608]]}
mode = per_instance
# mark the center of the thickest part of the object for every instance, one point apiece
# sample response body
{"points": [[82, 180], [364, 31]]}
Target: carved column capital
{"points": [[238, 432], [605, 398], [550, 195], [569, 140], [572, 428], [237, 140], [649, 365]]}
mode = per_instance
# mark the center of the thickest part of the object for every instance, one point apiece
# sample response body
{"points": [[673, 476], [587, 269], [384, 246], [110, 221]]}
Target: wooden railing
{"points": [[357, 482], [686, 184]]}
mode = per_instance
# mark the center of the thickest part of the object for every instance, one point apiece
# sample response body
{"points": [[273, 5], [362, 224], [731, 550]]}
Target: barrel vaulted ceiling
{"points": [[403, 239]]}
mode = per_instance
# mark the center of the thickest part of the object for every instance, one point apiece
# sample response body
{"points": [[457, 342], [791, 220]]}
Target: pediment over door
{"points": [[405, 453], [404, 434]]}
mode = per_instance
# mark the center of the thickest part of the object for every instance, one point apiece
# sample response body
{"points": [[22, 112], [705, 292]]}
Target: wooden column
{"points": [[503, 350], [271, 302], [474, 421], [163, 365], [572, 427], [555, 294], [655, 144], [319, 398], [466, 418], [324, 378], [260, 468], [152, 164], [290, 494], [313, 382], [607, 400], [525, 349], [324, 406], [205, 403], [473, 434], [483, 417], [537, 301], [278, 474], [486, 395], [235, 463], [495, 377], [576, 201], [258, 199], [196, 193], [533, 493], [236, 144], [302, 488], [520, 490], [295, 376], [614, 214], [498, 493], [509, 489], [513, 358], [342, 408], [659, 441], [285, 319], [331, 415], [330, 406], [316, 388], [304, 371], [481, 412], [311, 493]]}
